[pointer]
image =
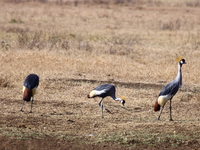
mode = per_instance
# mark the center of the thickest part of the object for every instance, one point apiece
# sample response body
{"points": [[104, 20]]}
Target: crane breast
{"points": [[162, 100]]}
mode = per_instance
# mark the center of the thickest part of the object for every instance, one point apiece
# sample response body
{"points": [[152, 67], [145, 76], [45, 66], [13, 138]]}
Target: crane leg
{"points": [[101, 105], [160, 112], [170, 109], [31, 104], [22, 106]]}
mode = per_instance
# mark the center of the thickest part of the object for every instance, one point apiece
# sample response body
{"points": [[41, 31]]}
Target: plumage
{"points": [[156, 106], [29, 89], [31, 81], [168, 92], [104, 91]]}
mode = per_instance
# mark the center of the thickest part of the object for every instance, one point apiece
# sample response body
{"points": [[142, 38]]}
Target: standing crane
{"points": [[104, 91], [169, 91], [29, 89]]}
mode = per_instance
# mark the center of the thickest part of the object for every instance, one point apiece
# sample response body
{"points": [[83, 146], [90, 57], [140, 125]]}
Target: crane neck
{"points": [[113, 96], [116, 99], [179, 75]]}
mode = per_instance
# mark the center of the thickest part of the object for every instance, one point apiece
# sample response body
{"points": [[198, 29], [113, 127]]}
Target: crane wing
{"points": [[170, 89], [31, 81]]}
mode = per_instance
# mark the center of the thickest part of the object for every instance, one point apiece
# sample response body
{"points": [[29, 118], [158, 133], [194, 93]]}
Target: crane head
{"points": [[123, 100], [182, 61]]}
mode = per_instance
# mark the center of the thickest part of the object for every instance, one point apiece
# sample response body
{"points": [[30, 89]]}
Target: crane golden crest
{"points": [[179, 58], [123, 97]]}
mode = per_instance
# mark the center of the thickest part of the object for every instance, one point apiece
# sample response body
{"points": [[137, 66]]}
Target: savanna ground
{"points": [[75, 46]]}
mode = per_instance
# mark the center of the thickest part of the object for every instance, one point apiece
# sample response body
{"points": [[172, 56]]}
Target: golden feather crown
{"points": [[179, 58], [123, 97]]}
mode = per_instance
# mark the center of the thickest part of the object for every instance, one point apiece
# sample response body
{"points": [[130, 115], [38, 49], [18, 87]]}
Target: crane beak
{"points": [[183, 63]]}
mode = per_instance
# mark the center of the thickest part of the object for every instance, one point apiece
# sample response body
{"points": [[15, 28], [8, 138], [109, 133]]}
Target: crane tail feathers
{"points": [[88, 96], [27, 94], [156, 106]]}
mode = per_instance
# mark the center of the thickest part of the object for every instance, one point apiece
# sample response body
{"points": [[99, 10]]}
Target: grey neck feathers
{"points": [[116, 99], [179, 75], [113, 96]]}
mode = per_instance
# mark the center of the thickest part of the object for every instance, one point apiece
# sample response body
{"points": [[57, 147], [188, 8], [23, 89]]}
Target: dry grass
{"points": [[75, 48]]}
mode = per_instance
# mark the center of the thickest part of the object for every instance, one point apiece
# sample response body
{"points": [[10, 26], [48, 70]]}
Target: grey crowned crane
{"points": [[29, 89], [104, 91], [168, 92]]}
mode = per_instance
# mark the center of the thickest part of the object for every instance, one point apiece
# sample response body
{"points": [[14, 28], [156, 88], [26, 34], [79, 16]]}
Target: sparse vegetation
{"points": [[4, 45]]}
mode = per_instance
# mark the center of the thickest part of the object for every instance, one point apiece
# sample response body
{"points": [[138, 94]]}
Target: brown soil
{"points": [[71, 124]]}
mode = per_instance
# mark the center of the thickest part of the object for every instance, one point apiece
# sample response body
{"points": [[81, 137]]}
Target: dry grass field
{"points": [[75, 46]]}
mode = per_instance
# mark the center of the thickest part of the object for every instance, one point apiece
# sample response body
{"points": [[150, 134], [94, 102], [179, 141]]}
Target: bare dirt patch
{"points": [[77, 124]]}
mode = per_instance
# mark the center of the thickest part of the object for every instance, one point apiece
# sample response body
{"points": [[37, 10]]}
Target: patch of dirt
{"points": [[77, 123]]}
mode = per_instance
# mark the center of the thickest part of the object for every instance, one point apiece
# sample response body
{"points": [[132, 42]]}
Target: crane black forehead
{"points": [[182, 60]]}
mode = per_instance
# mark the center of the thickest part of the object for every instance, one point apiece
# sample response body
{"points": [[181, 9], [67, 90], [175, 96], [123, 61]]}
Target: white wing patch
{"points": [[34, 91], [100, 92], [23, 89], [163, 99], [95, 92]]}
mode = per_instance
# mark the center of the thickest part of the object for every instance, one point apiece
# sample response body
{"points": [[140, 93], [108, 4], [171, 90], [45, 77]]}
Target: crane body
{"points": [[29, 89], [104, 91], [168, 92]]}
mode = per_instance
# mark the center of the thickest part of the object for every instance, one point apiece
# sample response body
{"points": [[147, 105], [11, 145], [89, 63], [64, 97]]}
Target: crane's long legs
{"points": [[31, 104], [22, 106], [160, 112], [170, 109], [101, 105]]}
